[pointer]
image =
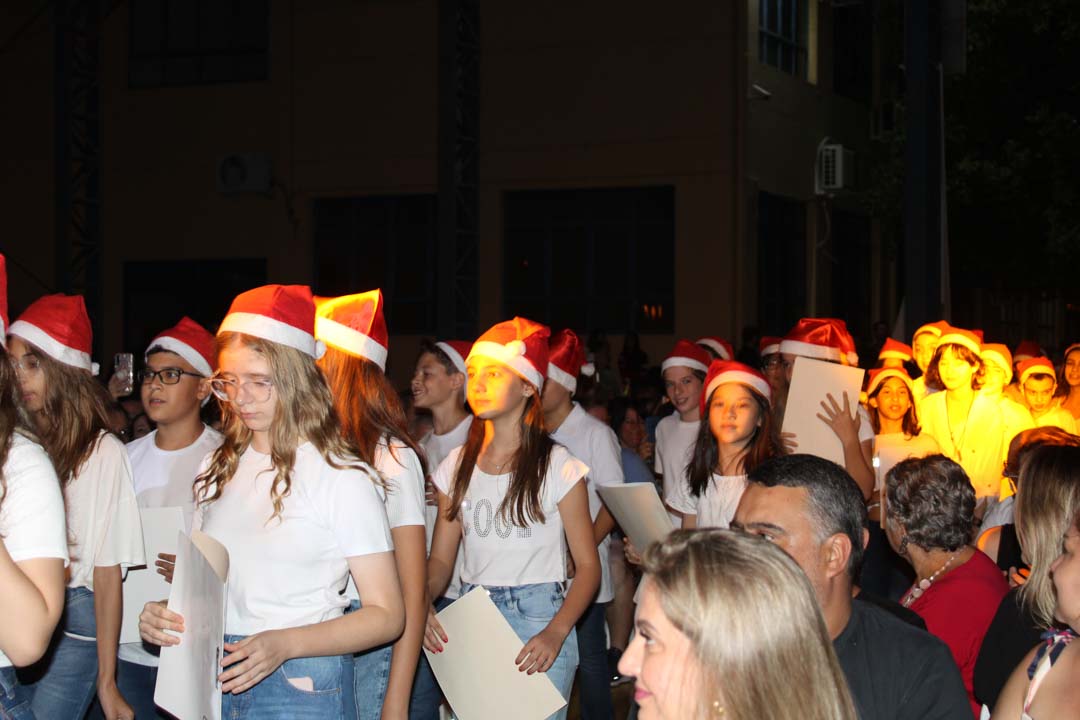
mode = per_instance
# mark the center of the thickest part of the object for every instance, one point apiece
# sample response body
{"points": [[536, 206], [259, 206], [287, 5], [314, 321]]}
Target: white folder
{"points": [[811, 381], [187, 683], [143, 584], [476, 669], [640, 512]]}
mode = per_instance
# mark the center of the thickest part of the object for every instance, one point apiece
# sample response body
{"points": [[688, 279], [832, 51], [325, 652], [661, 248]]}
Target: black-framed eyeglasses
{"points": [[168, 376], [257, 390]]}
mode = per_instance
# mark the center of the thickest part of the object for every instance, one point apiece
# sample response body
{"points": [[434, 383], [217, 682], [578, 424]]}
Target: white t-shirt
{"points": [[103, 516], [499, 553], [716, 506], [436, 448], [291, 570], [164, 478], [595, 444], [672, 453], [1059, 417], [32, 509]]}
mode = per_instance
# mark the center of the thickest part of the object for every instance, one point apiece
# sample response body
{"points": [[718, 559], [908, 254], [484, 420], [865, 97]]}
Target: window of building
{"points": [[386, 242], [781, 262], [188, 42], [782, 33], [601, 259]]}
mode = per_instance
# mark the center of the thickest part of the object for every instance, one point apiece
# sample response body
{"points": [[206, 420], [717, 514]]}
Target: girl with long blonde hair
{"points": [[299, 513]]}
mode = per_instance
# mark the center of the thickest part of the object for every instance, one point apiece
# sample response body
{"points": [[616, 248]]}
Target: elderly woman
{"points": [[930, 510], [1043, 685], [707, 649]]}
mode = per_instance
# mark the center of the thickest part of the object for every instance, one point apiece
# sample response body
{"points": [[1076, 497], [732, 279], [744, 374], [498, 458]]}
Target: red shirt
{"points": [[958, 608]]}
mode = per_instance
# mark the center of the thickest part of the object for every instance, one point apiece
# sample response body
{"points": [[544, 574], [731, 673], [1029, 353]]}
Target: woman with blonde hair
{"points": [[732, 649], [299, 513]]}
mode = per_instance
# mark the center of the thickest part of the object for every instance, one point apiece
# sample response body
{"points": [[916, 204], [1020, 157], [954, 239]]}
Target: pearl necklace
{"points": [[923, 585]]}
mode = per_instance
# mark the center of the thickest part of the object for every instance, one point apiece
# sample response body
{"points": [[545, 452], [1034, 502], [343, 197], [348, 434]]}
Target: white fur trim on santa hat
{"points": [[512, 354], [454, 355], [52, 347], [680, 361], [268, 328], [716, 347], [562, 377], [805, 349], [348, 340], [770, 349], [183, 350], [739, 376]]}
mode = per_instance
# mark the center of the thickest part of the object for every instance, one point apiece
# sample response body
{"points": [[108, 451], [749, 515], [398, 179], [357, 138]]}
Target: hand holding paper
{"points": [[812, 384], [841, 420], [155, 619]]}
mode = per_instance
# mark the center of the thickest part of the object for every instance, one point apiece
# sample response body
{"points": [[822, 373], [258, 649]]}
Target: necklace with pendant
{"points": [[923, 585], [958, 446]]}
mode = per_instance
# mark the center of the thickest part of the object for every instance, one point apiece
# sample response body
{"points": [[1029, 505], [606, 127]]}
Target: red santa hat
{"points": [[520, 344], [935, 328], [566, 360], [1036, 366], [998, 355], [722, 372], [284, 314], [880, 375], [961, 337], [354, 324], [769, 345], [191, 341], [59, 326], [895, 350], [1026, 350], [818, 338], [687, 354], [3, 301], [718, 345]]}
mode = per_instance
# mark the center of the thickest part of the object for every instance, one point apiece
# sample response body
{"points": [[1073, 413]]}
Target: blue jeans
{"points": [[14, 698], [136, 683], [529, 609], [275, 698], [595, 685], [63, 683], [426, 695], [371, 677]]}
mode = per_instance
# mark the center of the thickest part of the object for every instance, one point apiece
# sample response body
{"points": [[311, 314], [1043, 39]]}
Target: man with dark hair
{"points": [[815, 512]]}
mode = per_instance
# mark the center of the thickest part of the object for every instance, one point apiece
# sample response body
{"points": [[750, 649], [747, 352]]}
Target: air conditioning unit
{"points": [[244, 173], [836, 168]]}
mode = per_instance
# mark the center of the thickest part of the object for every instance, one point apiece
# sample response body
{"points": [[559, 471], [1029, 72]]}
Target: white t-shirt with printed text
{"points": [[291, 570], [499, 553], [32, 521], [595, 444], [104, 526], [164, 478]]}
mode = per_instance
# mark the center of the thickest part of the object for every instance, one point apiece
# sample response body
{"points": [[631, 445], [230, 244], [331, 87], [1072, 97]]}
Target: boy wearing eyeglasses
{"points": [[174, 385]]}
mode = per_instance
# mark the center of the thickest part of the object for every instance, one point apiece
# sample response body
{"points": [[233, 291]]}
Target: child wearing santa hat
{"points": [[683, 371], [299, 514], [518, 499], [967, 425], [51, 344], [595, 444], [1038, 381], [174, 384], [357, 342], [33, 540], [737, 434]]}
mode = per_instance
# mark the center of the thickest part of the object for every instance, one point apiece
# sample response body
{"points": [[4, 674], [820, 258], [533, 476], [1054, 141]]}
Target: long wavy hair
{"points": [[74, 416], [12, 417], [763, 444], [304, 412], [522, 505], [367, 405], [1047, 501], [760, 648]]}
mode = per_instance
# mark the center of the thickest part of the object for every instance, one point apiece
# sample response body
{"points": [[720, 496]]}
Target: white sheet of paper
{"points": [[476, 669], [811, 381], [143, 584], [187, 677], [640, 512], [889, 451]]}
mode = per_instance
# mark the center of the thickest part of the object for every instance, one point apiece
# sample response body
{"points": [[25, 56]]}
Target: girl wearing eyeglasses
{"points": [[50, 346], [299, 514]]}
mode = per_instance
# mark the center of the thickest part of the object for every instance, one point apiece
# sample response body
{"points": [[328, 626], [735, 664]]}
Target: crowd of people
{"points": [[946, 585]]}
